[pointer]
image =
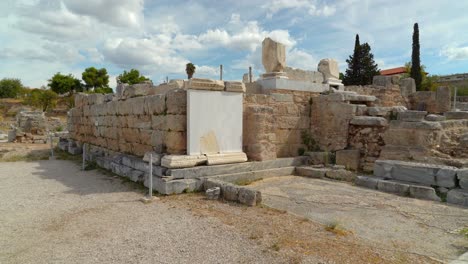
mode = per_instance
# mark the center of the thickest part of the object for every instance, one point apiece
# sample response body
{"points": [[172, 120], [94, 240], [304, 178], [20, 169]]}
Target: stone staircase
{"points": [[419, 180]]}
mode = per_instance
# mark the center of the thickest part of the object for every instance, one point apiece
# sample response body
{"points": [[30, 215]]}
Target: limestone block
{"points": [[157, 140], [385, 81], [176, 122], [273, 55], [279, 97], [383, 169], [329, 68], [368, 182], [135, 163], [137, 176], [176, 142], [462, 176], [206, 84], [379, 111], [176, 102], [311, 172], [139, 89], [423, 192], [412, 116], [341, 175], [230, 192], [155, 104], [435, 118], [393, 187], [456, 115], [443, 102], [94, 99], [213, 193], [318, 157], [158, 122], [233, 86], [458, 197], [369, 121], [137, 105], [446, 177], [182, 161], [226, 158], [407, 86], [249, 196], [349, 158], [155, 157], [140, 149]]}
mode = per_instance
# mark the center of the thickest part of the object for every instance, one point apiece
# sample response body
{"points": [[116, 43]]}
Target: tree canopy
{"points": [[62, 84], [95, 78], [44, 99], [361, 65], [416, 60], [132, 77], [190, 69], [10, 87]]}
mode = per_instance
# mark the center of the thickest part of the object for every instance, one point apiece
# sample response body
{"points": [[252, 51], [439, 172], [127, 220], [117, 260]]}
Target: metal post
{"points": [[455, 99], [84, 157], [250, 73], [151, 176], [221, 72], [51, 146]]}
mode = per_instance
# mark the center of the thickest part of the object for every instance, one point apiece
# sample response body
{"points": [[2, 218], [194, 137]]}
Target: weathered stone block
{"points": [[175, 122], [407, 86], [205, 84], [176, 142], [226, 158], [311, 172], [458, 197], [423, 192], [349, 158], [284, 98], [435, 118], [394, 187], [273, 55], [317, 158], [368, 182], [155, 157], [182, 161], [232, 86], [248, 196], [176, 102], [155, 104], [230, 192], [341, 175], [446, 177], [456, 115], [412, 116], [385, 81], [213, 193]]}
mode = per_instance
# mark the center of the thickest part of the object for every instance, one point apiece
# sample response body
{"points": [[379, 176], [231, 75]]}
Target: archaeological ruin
{"points": [[205, 133]]}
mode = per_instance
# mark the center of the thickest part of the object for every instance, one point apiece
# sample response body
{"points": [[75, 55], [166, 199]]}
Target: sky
{"points": [[39, 38]]}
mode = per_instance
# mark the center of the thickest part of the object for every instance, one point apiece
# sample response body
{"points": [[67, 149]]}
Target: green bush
{"points": [[10, 88]]}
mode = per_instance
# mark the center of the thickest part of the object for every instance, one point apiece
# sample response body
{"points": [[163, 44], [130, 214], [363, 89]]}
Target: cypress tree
{"points": [[415, 59], [352, 73], [361, 65]]}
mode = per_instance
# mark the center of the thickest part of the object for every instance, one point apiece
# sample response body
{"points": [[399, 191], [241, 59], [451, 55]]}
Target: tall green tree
{"points": [[95, 78], [132, 77], [190, 69], [352, 73], [44, 99], [415, 59], [62, 84], [361, 65], [10, 87], [369, 67]]}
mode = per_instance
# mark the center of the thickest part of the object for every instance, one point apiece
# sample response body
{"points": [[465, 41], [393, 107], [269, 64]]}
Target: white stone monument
{"points": [[331, 73], [273, 59]]}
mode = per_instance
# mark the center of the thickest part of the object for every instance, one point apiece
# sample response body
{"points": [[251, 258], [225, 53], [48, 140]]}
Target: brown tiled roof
{"points": [[393, 71]]}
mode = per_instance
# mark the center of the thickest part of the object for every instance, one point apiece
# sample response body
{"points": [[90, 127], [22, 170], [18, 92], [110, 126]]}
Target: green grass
{"points": [[464, 232], [27, 157]]}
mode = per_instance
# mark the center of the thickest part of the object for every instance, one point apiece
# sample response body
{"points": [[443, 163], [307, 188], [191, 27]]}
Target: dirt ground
{"points": [[386, 221], [51, 212]]}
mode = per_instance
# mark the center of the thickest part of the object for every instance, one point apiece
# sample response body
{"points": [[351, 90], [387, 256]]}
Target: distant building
{"points": [[460, 77], [399, 71]]}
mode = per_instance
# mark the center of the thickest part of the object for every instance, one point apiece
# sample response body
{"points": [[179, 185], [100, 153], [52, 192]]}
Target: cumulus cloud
{"points": [[311, 7], [455, 53], [121, 13]]}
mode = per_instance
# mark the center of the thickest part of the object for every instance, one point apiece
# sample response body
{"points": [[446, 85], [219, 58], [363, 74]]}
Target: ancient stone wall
{"points": [[133, 126], [386, 96], [432, 102], [276, 122]]}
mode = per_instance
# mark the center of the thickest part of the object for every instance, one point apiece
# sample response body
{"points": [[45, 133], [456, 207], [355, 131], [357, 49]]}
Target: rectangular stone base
{"points": [[294, 85]]}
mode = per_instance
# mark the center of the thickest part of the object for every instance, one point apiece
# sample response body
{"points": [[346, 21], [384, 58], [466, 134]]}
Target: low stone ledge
{"points": [[235, 193], [182, 161], [368, 121], [232, 86], [456, 115], [412, 116], [401, 189], [435, 118], [226, 158], [458, 197], [368, 182], [205, 84], [423, 192], [311, 172]]}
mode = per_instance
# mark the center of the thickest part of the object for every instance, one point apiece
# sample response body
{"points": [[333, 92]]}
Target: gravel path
{"points": [[51, 212]]}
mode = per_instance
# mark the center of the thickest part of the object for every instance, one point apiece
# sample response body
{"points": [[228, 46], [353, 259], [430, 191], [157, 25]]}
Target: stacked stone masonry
{"points": [[133, 126]]}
